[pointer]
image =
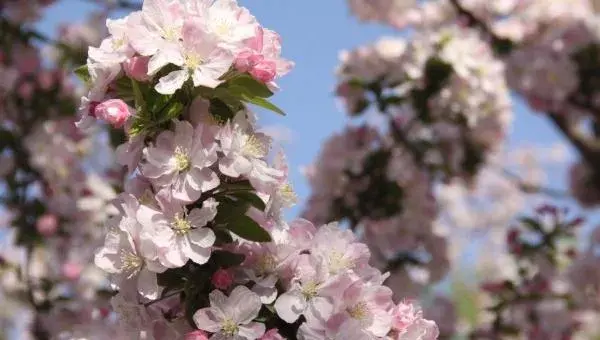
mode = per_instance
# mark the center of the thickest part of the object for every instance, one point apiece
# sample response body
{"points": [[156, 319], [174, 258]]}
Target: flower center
{"points": [[192, 61], [170, 33], [337, 262], [229, 327], [309, 290], [130, 262], [358, 311], [222, 27], [254, 148], [288, 194], [180, 225], [266, 264], [117, 43], [182, 160]]}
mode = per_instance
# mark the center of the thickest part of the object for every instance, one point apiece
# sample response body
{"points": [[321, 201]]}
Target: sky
{"points": [[313, 33]]}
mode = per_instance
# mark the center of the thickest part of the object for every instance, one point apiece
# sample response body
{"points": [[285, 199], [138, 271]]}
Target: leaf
{"points": [[220, 110], [245, 84], [249, 197], [226, 259], [223, 237], [248, 229], [171, 112], [263, 103], [83, 73], [138, 96], [170, 277], [531, 224]]}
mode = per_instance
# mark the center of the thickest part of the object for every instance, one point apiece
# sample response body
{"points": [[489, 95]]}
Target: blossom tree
{"points": [[199, 248], [433, 110]]}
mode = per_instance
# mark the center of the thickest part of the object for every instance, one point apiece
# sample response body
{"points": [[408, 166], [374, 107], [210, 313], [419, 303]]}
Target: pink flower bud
{"points": [[114, 111], [25, 90], [71, 270], [47, 224], [196, 335], [222, 279], [493, 287], [45, 80], [243, 61], [264, 71], [137, 68], [272, 334]]}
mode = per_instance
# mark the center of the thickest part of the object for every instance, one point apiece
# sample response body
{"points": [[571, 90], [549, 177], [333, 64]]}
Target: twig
{"points": [[532, 188]]}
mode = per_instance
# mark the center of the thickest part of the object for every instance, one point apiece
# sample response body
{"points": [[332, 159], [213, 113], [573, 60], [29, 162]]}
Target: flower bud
{"points": [[264, 71], [196, 335], [137, 68], [114, 111], [47, 224], [71, 270], [272, 334], [222, 279]]}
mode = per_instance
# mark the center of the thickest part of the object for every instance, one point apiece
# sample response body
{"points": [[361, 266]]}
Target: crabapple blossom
{"points": [[201, 58], [180, 235], [113, 111], [182, 159], [230, 317]]}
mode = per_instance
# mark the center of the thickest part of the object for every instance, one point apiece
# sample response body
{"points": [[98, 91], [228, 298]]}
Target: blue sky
{"points": [[313, 33]]}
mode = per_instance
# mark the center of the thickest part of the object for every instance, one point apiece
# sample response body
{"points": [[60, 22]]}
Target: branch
{"points": [[500, 44], [532, 188], [589, 148]]}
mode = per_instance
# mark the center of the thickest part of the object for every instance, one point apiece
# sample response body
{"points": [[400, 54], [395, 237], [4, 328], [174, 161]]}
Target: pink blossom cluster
{"points": [[56, 190], [199, 248], [471, 110], [341, 188], [202, 40], [539, 302]]}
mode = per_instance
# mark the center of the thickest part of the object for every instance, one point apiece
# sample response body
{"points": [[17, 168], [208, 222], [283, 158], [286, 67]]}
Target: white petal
{"points": [[172, 82], [253, 330], [290, 306], [202, 237], [147, 284], [208, 319], [243, 305]]}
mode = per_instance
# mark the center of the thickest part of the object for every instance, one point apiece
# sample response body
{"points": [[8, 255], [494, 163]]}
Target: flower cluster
{"points": [[199, 247], [375, 186], [201, 41], [537, 303], [444, 91]]}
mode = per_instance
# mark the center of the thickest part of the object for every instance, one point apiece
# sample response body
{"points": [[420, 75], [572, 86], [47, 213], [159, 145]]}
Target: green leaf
{"points": [[171, 112], [263, 103], [171, 277], [248, 197], [248, 229], [220, 110], [245, 84], [223, 237], [138, 96], [83, 74], [531, 224], [226, 259]]}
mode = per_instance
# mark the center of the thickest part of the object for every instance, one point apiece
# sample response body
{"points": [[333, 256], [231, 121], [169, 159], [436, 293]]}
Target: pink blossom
{"points": [[261, 56], [181, 160], [71, 270], [272, 334], [47, 224], [230, 317], [113, 111], [196, 335], [222, 279], [136, 68]]}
